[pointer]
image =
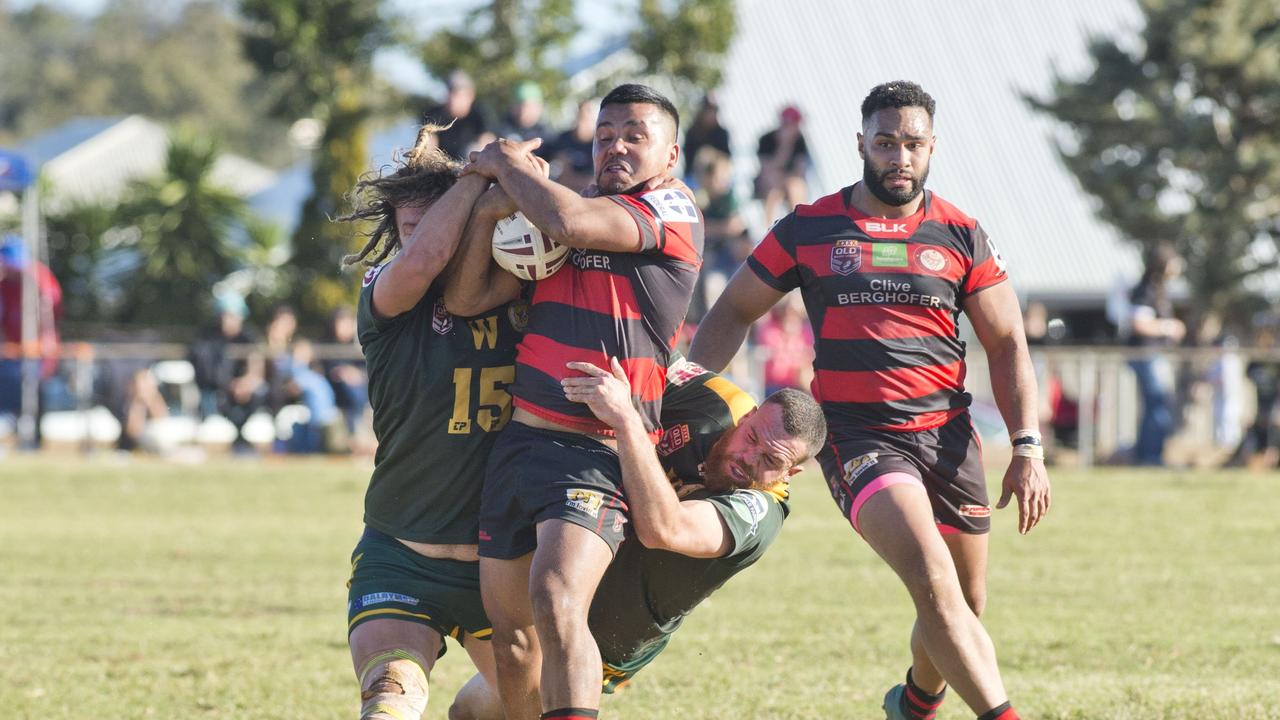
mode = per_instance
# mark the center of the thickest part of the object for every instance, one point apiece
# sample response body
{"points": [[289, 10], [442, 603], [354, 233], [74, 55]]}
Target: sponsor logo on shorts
{"points": [[384, 597], [587, 501], [673, 439], [846, 257], [618, 521], [441, 320], [975, 510], [683, 371], [932, 259], [859, 465]]}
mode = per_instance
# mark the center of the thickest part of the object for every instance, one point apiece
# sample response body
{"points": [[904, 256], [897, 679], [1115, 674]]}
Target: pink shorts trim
{"points": [[875, 486]]}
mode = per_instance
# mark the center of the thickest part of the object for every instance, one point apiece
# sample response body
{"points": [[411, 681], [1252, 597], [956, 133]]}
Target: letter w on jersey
{"points": [[484, 331]]}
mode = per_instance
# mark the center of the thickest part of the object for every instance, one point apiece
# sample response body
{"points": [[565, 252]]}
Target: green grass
{"points": [[142, 589]]}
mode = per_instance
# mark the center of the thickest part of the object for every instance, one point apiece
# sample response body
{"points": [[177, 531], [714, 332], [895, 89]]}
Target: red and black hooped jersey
{"points": [[884, 297], [602, 304]]}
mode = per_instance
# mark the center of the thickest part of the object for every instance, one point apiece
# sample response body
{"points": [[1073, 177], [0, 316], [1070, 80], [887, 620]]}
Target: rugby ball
{"points": [[521, 249]]}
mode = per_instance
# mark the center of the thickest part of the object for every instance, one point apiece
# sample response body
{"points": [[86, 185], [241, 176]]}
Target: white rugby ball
{"points": [[521, 249]]}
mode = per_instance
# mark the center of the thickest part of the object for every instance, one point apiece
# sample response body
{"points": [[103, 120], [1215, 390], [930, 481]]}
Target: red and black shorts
{"points": [[536, 474], [946, 460]]}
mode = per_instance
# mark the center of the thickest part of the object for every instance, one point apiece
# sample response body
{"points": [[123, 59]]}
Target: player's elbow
{"points": [[657, 536]]}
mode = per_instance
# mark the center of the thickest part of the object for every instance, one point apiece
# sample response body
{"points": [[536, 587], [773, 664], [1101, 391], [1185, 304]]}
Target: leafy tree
{"points": [[317, 61], [77, 243], [685, 41], [179, 63], [1178, 138], [505, 42], [183, 242]]}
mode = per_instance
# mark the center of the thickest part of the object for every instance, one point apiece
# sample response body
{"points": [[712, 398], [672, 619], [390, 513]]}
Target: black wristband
{"points": [[1026, 440]]}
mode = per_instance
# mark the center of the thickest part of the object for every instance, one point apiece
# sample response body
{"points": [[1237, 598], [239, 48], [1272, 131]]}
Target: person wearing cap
{"points": [[524, 120], [232, 384], [468, 123], [784, 161]]}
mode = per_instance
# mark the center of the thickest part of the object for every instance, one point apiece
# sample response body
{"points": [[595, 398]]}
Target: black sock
{"points": [[919, 704], [1003, 711], [571, 713]]}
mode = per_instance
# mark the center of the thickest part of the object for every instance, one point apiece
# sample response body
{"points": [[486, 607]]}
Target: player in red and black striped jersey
{"points": [[885, 269], [553, 501]]}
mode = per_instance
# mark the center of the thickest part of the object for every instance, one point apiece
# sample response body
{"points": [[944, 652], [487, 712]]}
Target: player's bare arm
{"points": [[475, 282], [660, 519], [997, 321], [429, 241], [725, 326], [596, 223]]}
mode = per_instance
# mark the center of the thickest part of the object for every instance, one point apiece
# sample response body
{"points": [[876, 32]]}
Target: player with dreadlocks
{"points": [[437, 384]]}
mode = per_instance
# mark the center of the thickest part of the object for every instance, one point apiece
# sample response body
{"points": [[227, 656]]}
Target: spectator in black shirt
{"points": [[1152, 325], [572, 164], [470, 129], [784, 162], [704, 132]]}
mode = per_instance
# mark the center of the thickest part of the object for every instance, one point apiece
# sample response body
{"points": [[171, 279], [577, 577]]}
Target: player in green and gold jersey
{"points": [[437, 385], [704, 507]]}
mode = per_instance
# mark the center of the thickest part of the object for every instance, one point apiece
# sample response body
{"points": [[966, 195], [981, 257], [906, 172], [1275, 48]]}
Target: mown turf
{"points": [[144, 589]]}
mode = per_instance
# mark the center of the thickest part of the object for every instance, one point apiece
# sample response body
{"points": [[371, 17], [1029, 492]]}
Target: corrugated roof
{"points": [[995, 157]]}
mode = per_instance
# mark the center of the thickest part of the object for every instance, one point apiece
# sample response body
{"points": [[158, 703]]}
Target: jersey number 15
{"points": [[492, 408]]}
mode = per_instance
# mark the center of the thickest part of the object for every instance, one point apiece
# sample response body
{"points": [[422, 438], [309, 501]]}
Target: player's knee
{"points": [[511, 646], [393, 686], [975, 594], [557, 613]]}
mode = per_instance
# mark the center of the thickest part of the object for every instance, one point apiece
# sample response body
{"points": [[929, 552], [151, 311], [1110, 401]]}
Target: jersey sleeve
{"points": [[774, 259], [988, 266], [669, 222], [754, 518], [369, 324]]}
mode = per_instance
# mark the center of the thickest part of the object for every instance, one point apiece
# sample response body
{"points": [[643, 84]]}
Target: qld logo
{"points": [[846, 257]]}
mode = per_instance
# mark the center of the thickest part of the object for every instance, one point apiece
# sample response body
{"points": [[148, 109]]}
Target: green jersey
{"points": [[438, 388], [645, 594]]}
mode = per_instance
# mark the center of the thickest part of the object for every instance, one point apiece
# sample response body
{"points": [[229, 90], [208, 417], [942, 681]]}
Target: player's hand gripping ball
{"points": [[523, 250]]}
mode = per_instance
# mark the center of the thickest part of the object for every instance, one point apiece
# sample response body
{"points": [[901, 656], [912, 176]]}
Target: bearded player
{"points": [[885, 268], [437, 385], [553, 512], [705, 506]]}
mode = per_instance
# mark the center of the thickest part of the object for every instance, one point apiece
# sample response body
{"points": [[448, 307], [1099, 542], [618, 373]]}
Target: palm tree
{"points": [[186, 237]]}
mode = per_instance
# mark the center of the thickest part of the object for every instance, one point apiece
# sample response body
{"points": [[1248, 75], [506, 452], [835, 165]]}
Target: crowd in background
{"points": [[240, 372]]}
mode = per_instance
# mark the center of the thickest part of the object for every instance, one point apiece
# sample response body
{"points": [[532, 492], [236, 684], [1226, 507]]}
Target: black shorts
{"points": [[535, 475], [946, 459]]}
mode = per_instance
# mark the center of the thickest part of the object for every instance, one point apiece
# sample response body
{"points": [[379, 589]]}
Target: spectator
{"points": [[1260, 447], [784, 162], [724, 227], [704, 132], [1224, 377], [322, 432], [786, 338], [281, 329], [524, 119], [1153, 326], [470, 127], [348, 379], [572, 164], [142, 402], [232, 386], [14, 263]]}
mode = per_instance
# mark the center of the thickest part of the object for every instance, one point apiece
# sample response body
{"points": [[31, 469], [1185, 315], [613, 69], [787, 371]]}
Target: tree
{"points": [[1178, 138], [179, 63], [685, 41], [185, 237], [317, 60], [504, 43]]}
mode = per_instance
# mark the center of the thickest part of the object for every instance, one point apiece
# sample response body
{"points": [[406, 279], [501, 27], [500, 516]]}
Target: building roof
{"points": [[93, 159], [995, 157]]}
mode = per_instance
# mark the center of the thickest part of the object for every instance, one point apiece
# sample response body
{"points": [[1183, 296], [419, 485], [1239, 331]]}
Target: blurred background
{"points": [[168, 170]]}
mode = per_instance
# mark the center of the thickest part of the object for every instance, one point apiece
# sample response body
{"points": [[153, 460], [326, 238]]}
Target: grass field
{"points": [[141, 589]]}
